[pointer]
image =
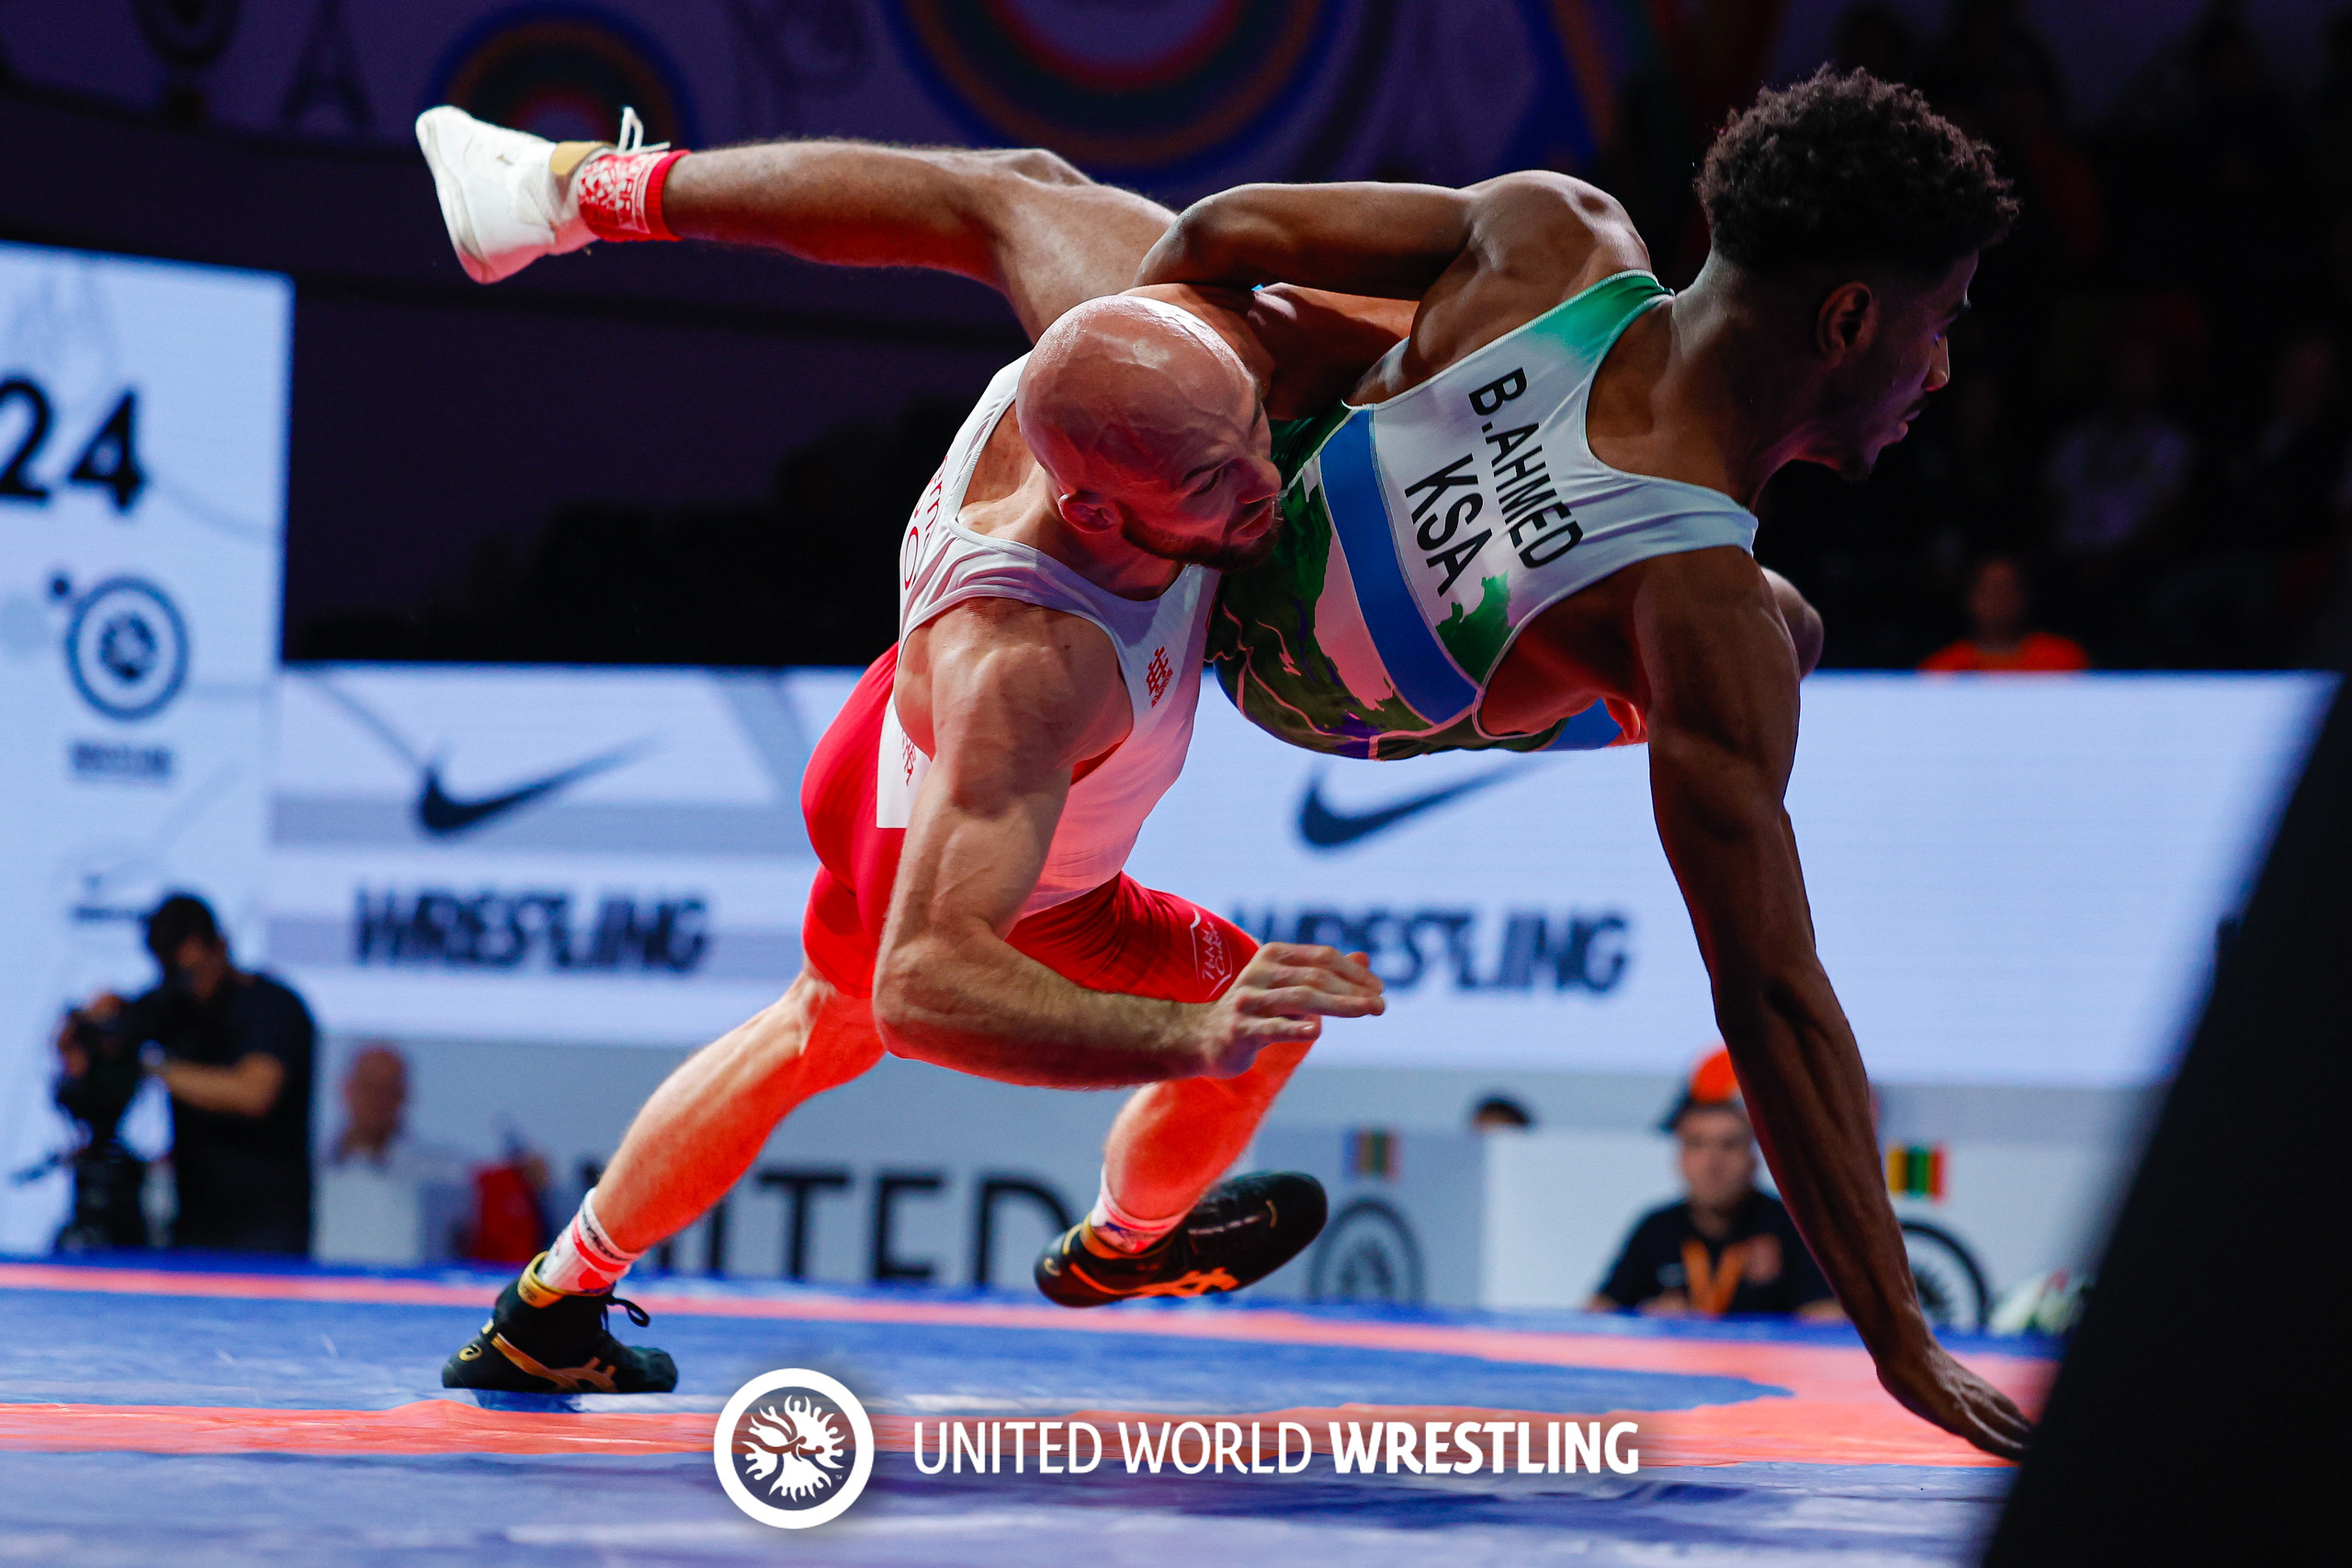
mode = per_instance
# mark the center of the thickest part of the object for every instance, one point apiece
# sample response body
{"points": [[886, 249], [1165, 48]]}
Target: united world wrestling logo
{"points": [[785, 1449], [794, 1449]]}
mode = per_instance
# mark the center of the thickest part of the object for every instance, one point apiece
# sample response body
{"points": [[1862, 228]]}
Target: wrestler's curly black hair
{"points": [[1847, 171]]}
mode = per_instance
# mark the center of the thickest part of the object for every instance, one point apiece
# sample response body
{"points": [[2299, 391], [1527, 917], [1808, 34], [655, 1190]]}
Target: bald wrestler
{"points": [[974, 801]]}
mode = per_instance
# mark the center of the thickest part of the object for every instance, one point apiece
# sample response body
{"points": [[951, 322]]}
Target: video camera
{"points": [[110, 1180]]}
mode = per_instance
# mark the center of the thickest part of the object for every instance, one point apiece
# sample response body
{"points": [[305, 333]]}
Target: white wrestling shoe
{"points": [[499, 196]]}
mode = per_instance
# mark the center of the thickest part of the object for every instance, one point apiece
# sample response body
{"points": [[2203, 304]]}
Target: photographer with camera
{"points": [[234, 1050]]}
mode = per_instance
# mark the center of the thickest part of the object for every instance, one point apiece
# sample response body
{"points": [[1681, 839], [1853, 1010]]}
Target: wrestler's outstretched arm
{"points": [[1018, 697], [1481, 260], [1025, 223], [1722, 709]]}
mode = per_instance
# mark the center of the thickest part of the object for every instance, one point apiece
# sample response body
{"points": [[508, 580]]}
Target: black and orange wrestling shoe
{"points": [[541, 1340], [1243, 1231]]}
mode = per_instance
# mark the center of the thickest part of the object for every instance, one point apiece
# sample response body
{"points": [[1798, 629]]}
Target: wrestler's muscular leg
{"points": [[1040, 232], [1025, 223], [697, 1135], [1172, 1140], [702, 1129]]}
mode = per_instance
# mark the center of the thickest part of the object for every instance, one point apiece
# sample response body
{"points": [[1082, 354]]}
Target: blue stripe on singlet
{"points": [[1588, 732], [1425, 674]]}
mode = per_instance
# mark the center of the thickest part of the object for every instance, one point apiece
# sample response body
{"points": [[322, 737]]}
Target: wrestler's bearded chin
{"points": [[1222, 555]]}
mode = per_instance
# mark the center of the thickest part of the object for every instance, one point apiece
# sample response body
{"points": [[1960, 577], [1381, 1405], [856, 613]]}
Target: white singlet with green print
{"points": [[1420, 534]]}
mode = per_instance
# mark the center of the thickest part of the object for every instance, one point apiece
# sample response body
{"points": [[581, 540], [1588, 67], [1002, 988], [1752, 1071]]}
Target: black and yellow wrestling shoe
{"points": [[1243, 1231], [540, 1341]]}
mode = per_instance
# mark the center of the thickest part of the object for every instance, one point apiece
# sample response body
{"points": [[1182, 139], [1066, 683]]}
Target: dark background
{"points": [[671, 454]]}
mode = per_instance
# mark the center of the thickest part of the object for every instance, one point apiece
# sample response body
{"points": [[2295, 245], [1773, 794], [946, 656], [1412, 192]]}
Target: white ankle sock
{"points": [[1122, 1232], [584, 1259]]}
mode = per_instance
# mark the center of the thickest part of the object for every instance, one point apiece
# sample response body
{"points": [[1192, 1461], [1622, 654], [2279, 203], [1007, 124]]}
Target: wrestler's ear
{"points": [[1088, 512], [1847, 321]]}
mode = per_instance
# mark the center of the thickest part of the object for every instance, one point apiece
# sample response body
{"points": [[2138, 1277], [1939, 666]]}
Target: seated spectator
{"points": [[1988, 45], [383, 1197], [1998, 639], [2115, 476], [375, 1104], [2060, 227], [2259, 566], [2278, 480], [1980, 467], [1728, 1248], [1499, 1111]]}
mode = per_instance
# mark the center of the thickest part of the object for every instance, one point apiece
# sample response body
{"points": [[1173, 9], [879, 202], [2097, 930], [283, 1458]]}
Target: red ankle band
{"points": [[621, 194]]}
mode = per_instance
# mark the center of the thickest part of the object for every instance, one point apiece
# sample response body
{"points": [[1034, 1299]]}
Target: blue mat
{"points": [[81, 1346]]}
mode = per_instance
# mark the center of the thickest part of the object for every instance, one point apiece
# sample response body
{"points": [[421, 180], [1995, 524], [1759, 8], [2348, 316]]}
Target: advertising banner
{"points": [[2013, 881], [142, 465], [608, 857], [2016, 882]]}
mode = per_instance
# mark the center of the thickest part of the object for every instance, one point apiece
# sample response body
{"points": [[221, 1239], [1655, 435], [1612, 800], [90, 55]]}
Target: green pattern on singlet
{"points": [[1476, 639], [1261, 636]]}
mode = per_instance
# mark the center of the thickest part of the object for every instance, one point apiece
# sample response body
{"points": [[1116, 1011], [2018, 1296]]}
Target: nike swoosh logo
{"points": [[443, 814], [1328, 829]]}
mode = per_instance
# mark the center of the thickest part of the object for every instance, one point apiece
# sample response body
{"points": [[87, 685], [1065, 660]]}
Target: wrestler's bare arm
{"points": [[1482, 260], [1722, 709], [1016, 698]]}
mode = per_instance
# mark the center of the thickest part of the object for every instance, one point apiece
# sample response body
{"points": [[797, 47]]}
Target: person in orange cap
{"points": [[1728, 1248]]}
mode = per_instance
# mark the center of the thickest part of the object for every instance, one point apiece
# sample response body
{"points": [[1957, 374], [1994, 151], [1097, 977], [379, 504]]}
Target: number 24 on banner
{"points": [[109, 460]]}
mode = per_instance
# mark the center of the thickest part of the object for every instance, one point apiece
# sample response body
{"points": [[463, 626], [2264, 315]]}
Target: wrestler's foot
{"points": [[505, 196], [1243, 1231], [540, 1341]]}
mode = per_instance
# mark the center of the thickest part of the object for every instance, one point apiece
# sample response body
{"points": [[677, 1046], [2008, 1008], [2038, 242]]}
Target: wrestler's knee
{"points": [[1036, 164], [810, 1037], [842, 1041]]}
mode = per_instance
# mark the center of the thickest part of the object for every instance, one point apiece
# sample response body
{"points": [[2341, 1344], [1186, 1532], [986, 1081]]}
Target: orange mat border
{"points": [[1835, 1412]]}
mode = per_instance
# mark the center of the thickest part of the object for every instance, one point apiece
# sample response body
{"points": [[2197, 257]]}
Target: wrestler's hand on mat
{"points": [[1282, 995], [1937, 1388]]}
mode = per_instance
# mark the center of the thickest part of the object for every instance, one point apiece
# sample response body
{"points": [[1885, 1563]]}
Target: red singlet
{"points": [[1123, 937]]}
